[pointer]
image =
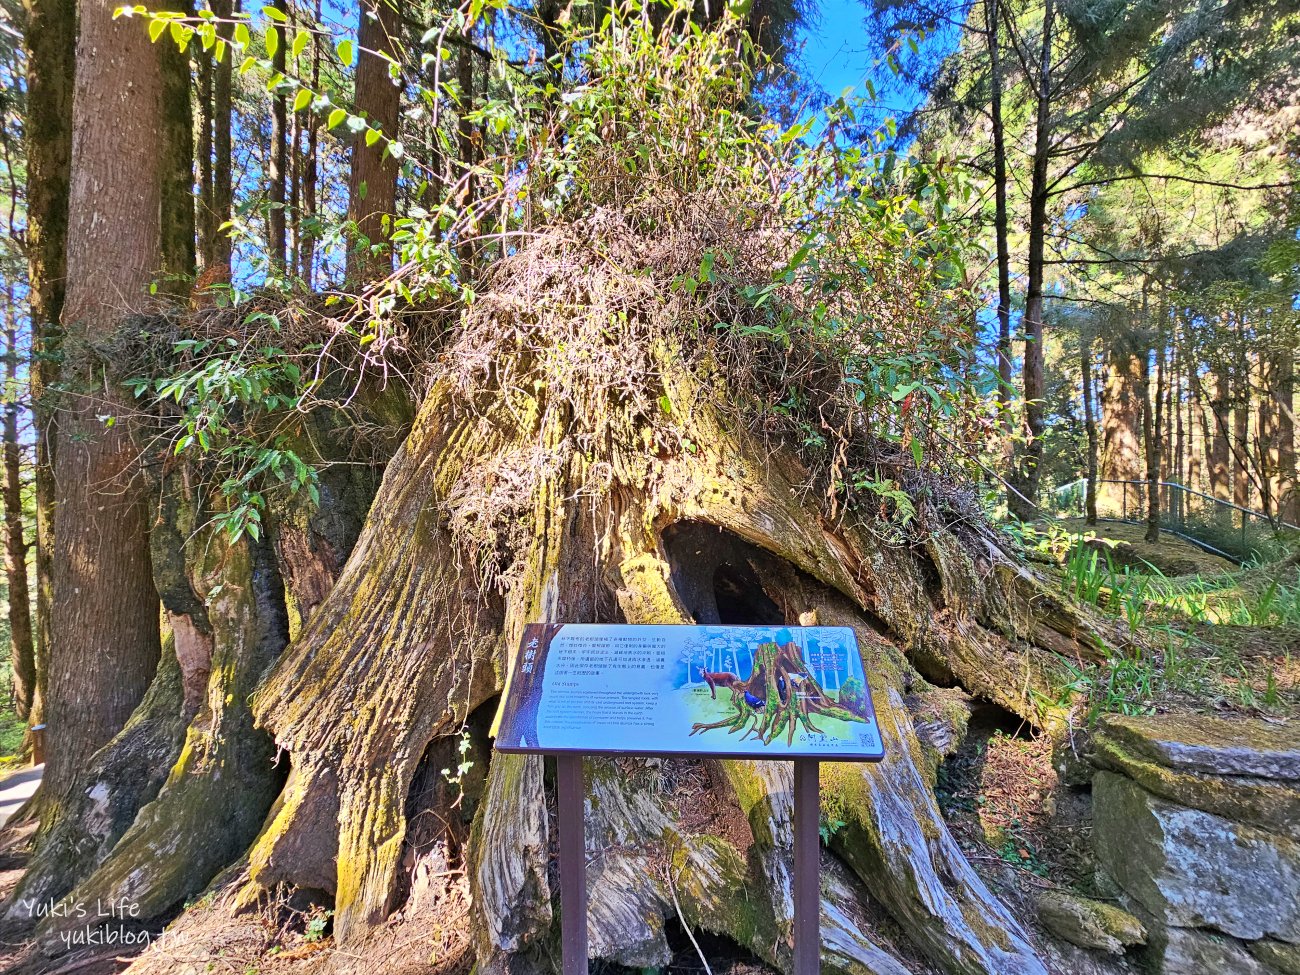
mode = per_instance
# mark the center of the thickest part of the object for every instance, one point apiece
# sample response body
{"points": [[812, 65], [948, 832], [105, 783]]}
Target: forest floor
{"points": [[1171, 555]]}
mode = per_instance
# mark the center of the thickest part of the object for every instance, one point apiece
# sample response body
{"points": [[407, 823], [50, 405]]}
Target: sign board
{"points": [[778, 692]]}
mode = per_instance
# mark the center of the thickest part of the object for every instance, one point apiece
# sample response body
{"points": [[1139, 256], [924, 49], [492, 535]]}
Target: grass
{"points": [[1197, 631], [1172, 555], [1142, 594], [12, 729]]}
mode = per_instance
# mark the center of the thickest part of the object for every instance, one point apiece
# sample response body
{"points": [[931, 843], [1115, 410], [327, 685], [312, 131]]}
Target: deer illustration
{"points": [[716, 680]]}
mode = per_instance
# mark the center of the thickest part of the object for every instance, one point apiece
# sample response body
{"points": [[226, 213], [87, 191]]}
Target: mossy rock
{"points": [[1267, 803], [1211, 746], [1089, 923], [1277, 955], [1187, 951], [1192, 869]]}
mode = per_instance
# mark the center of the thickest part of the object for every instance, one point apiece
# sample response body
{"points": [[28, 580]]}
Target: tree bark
{"points": [[105, 637], [1242, 466], [372, 187], [225, 777], [1121, 447], [1090, 429], [206, 223], [22, 649], [176, 161], [50, 37], [1182, 453], [308, 222], [1219, 454], [222, 187], [1022, 502], [1000, 218], [1283, 439], [1151, 440], [465, 132], [278, 160]]}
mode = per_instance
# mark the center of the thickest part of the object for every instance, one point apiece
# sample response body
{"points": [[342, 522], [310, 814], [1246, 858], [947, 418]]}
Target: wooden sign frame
{"points": [[805, 709]]}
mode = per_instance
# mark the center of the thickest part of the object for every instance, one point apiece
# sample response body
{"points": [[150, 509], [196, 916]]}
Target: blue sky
{"points": [[838, 54], [835, 53]]}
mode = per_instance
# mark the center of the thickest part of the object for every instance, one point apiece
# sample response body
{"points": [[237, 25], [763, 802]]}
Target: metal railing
{"points": [[1213, 524]]}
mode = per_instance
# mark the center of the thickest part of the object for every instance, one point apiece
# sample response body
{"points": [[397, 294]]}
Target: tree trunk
{"points": [[176, 162], [50, 37], [278, 160], [1219, 454], [225, 777], [22, 650], [206, 224], [309, 177], [1121, 446], [105, 638], [1090, 428], [230, 610], [222, 187], [1023, 501], [1283, 441], [1000, 219], [465, 150], [372, 188], [1151, 439], [1181, 456], [1242, 466]]}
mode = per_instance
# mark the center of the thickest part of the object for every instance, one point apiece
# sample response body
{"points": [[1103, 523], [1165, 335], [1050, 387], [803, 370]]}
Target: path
{"points": [[17, 789]]}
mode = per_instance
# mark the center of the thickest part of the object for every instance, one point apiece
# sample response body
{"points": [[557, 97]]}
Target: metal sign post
{"points": [[767, 693], [807, 868], [571, 802]]}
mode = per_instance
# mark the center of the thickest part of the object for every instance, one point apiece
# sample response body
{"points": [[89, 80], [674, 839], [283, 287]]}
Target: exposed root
{"points": [[223, 782]]}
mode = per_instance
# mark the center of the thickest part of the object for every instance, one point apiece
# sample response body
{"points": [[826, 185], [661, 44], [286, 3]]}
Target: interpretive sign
{"points": [[778, 692], [770, 692]]}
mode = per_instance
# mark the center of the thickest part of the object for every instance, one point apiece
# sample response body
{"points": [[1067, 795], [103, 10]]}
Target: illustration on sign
{"points": [[750, 691]]}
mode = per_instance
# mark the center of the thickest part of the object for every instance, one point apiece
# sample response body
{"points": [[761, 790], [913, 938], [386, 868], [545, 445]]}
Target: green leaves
{"points": [[230, 396], [300, 41], [344, 49]]}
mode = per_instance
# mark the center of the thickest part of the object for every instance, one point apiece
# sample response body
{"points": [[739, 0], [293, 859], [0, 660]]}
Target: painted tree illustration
{"points": [[780, 697]]}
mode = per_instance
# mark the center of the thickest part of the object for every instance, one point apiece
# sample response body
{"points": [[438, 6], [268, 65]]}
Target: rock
{"points": [[1190, 868], [1065, 958], [1284, 958], [1271, 804], [1189, 952], [1089, 923], [1211, 746]]}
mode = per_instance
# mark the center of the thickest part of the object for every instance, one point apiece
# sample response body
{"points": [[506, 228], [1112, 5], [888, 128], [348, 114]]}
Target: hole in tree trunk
{"points": [[725, 957], [988, 717], [441, 804], [740, 598], [724, 580]]}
